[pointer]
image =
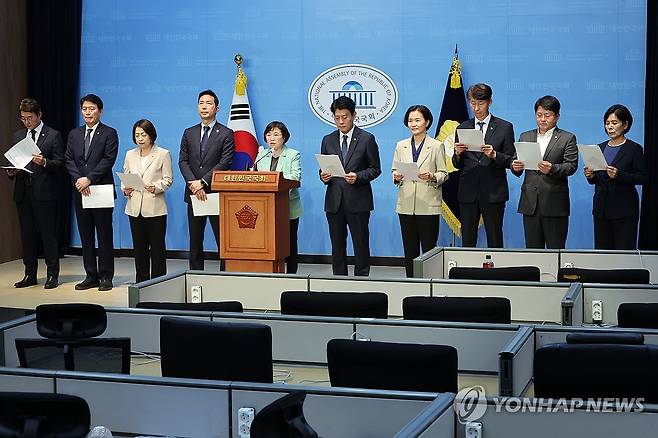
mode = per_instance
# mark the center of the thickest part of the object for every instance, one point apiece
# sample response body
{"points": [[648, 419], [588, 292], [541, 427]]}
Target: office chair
{"points": [[606, 338], [392, 366], [197, 349], [43, 415], [339, 304], [638, 315], [70, 342], [618, 276], [209, 306], [513, 273], [596, 371], [283, 418], [459, 309]]}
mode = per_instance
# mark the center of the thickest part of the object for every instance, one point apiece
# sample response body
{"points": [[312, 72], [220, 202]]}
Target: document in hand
{"points": [[330, 164], [473, 138], [529, 153], [131, 181], [101, 196], [209, 207], [410, 171], [592, 156], [16, 168], [21, 153]]}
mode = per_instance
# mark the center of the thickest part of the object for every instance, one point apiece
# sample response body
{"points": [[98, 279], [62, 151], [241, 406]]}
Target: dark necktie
{"points": [[204, 141], [87, 141], [481, 125], [343, 147], [34, 135]]}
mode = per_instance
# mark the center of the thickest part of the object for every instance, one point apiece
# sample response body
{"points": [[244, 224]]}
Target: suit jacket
{"points": [[156, 171], [44, 179], [291, 166], [422, 198], [481, 177], [362, 159], [219, 155], [617, 198], [550, 191], [100, 158]]}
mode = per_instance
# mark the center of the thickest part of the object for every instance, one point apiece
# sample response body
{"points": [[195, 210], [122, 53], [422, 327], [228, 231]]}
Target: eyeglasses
{"points": [[27, 119]]}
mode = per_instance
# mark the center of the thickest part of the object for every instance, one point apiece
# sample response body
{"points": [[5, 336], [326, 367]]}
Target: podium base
{"points": [[274, 266]]}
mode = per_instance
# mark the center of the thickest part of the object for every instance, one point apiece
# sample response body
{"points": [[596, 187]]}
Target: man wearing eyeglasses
{"points": [[35, 195]]}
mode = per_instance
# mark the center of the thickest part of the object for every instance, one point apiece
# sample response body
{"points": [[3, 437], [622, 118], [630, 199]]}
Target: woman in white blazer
{"points": [[419, 196], [147, 209]]}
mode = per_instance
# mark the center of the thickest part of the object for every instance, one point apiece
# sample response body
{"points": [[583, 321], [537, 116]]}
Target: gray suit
{"points": [[544, 201]]}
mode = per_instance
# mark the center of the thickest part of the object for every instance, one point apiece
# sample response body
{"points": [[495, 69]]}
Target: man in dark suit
{"points": [[348, 201], [35, 195], [91, 151], [544, 201], [483, 180], [204, 148]]}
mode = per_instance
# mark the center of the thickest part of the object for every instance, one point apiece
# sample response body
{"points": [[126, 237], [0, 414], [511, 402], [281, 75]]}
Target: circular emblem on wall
{"points": [[373, 91]]}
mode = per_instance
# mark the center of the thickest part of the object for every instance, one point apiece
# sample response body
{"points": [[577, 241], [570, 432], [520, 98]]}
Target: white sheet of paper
{"points": [[410, 171], [21, 153], [101, 196], [330, 164], [209, 207], [592, 156], [528, 152], [473, 138], [17, 168], [131, 181]]}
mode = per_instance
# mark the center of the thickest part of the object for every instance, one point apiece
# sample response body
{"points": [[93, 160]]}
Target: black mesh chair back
{"points": [[512, 273], [392, 366], [38, 415], [638, 315], [596, 371], [208, 306], [215, 350], [617, 276], [102, 355], [605, 338], [459, 309], [283, 418], [71, 321], [339, 304]]}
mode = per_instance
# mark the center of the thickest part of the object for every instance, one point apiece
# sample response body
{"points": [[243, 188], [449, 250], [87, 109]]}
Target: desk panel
{"points": [[612, 296], [25, 381], [599, 259]]}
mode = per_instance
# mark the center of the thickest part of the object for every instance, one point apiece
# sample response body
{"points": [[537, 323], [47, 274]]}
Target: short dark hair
{"points": [[93, 99], [280, 126], [148, 127], [209, 93], [343, 103], [425, 111], [549, 103], [479, 92], [30, 105], [622, 113]]}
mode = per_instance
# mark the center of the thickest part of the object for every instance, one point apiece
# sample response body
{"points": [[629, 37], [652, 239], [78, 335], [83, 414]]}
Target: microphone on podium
{"points": [[258, 160]]}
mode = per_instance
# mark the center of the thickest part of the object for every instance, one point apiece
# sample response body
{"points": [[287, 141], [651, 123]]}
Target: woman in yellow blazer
{"points": [[147, 210], [419, 202]]}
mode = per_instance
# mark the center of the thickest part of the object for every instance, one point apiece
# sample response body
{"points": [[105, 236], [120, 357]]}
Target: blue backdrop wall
{"points": [[150, 59]]}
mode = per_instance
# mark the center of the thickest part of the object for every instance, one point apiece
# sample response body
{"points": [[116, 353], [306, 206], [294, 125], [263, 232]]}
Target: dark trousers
{"points": [[96, 223], [358, 226], [291, 260], [148, 235], [545, 231], [615, 233], [38, 218], [197, 228], [492, 214], [417, 231]]}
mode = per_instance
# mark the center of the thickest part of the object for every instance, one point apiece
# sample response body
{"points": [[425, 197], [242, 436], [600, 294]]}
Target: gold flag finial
{"points": [[241, 79]]}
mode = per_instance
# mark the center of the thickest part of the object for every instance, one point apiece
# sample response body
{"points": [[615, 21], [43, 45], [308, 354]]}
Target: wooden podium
{"points": [[254, 223]]}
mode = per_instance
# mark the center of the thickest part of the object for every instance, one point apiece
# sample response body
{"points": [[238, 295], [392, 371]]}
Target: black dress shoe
{"points": [[87, 283], [51, 282], [26, 281], [105, 285]]}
